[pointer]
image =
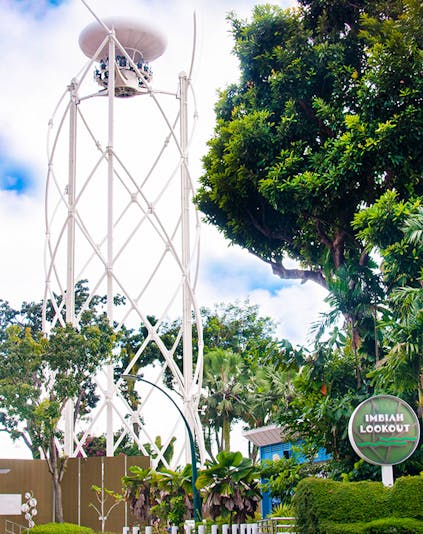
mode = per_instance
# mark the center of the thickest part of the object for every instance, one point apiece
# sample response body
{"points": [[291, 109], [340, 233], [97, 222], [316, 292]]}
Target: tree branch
{"points": [[264, 230], [297, 274], [324, 131], [335, 245]]}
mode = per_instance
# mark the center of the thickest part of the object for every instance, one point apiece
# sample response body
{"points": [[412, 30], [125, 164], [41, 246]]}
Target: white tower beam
{"points": [[112, 219]]}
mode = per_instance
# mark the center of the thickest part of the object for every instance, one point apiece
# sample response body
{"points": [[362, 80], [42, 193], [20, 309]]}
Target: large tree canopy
{"points": [[326, 117]]}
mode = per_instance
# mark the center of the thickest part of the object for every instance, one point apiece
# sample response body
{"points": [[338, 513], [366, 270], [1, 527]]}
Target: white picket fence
{"points": [[274, 525]]}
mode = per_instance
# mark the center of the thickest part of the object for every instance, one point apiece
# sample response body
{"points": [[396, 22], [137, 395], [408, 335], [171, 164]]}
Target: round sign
{"points": [[384, 430]]}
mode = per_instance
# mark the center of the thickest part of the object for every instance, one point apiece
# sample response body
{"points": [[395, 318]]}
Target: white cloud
{"points": [[39, 58], [293, 308], [21, 242], [292, 305]]}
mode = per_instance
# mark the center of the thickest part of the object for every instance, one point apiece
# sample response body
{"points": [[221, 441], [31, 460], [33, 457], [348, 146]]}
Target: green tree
{"points": [[237, 327], [322, 397], [266, 390], [382, 227], [246, 342], [230, 486], [325, 121], [29, 316], [38, 375], [280, 477], [326, 117], [395, 229], [324, 391]]}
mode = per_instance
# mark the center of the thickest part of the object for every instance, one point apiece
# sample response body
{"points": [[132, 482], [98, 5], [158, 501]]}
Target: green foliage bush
{"points": [[407, 497], [282, 510], [343, 528], [390, 525], [394, 525], [61, 528], [329, 507], [319, 500]]}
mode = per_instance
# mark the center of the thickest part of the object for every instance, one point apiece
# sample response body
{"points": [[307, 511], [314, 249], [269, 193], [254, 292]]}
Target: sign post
{"points": [[384, 430]]}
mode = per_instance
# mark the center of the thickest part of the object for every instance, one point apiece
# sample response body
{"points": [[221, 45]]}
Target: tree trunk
{"points": [[58, 503], [56, 470], [226, 434]]}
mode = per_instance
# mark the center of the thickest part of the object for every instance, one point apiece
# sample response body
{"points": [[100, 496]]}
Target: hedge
{"points": [[317, 501], [61, 528], [345, 507], [390, 525], [407, 497]]}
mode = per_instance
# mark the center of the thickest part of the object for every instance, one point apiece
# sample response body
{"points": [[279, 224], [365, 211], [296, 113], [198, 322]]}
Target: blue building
{"points": [[269, 440]]}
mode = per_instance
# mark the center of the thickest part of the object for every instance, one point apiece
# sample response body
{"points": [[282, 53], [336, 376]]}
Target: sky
{"points": [[40, 55]]}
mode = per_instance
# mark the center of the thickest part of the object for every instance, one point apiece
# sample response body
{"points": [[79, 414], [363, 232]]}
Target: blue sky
{"points": [[37, 8], [261, 277], [14, 175]]}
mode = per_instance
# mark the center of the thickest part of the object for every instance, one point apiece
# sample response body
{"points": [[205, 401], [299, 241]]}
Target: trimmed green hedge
{"points": [[61, 528], [407, 497], [317, 500], [345, 507], [390, 525]]}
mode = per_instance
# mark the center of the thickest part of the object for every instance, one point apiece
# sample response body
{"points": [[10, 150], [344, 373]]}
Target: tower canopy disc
{"points": [[141, 41]]}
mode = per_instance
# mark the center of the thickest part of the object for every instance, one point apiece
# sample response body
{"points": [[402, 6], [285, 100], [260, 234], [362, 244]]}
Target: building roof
{"points": [[265, 435]]}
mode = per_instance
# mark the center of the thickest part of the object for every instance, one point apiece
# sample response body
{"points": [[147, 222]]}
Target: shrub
{"points": [[394, 525], [61, 528], [328, 507], [318, 500], [343, 528], [282, 510], [390, 525], [406, 498]]}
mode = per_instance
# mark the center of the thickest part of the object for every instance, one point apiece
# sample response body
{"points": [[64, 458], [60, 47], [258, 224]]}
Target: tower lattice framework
{"points": [[119, 214]]}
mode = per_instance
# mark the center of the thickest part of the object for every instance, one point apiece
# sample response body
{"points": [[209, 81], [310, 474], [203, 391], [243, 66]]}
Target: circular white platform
{"points": [[142, 41]]}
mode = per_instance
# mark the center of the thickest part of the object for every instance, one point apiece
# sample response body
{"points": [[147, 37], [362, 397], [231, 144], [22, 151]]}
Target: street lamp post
{"points": [[195, 493]]}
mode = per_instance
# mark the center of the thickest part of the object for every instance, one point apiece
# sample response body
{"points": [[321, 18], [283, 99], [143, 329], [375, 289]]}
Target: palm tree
{"points": [[224, 380], [404, 332], [405, 335], [355, 294], [266, 389]]}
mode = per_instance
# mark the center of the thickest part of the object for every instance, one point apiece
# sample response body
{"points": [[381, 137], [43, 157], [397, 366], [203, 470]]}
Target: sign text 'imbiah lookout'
{"points": [[384, 430]]}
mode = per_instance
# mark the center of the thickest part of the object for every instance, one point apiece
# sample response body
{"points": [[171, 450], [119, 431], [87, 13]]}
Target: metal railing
{"points": [[277, 525]]}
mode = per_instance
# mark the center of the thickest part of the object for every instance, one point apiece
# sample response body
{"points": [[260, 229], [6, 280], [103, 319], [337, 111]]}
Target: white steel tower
{"points": [[119, 214]]}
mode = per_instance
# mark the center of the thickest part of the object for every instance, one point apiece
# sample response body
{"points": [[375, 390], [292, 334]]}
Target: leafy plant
{"points": [[230, 486], [282, 476], [102, 495], [139, 491], [159, 496]]}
